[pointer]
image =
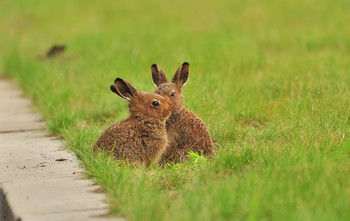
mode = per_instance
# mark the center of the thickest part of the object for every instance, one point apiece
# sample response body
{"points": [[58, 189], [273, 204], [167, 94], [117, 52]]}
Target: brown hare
{"points": [[140, 138], [186, 131]]}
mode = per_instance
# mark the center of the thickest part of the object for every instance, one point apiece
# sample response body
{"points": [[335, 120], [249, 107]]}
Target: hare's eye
{"points": [[155, 103], [172, 94]]}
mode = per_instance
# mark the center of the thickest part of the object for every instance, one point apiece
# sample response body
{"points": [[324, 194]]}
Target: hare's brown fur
{"points": [[140, 138], [186, 131]]}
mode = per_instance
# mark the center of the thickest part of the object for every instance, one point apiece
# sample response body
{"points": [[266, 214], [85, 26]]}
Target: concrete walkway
{"points": [[39, 179]]}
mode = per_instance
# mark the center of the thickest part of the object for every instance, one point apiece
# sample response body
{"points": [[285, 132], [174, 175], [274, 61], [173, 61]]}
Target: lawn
{"points": [[270, 78]]}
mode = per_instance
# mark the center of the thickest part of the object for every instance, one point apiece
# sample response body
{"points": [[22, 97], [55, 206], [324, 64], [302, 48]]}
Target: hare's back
{"points": [[193, 131], [193, 124], [117, 135]]}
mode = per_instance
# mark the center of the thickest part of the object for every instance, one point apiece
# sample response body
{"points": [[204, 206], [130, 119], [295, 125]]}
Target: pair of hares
{"points": [[159, 126]]}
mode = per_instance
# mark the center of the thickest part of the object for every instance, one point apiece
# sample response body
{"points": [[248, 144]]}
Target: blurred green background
{"points": [[270, 79]]}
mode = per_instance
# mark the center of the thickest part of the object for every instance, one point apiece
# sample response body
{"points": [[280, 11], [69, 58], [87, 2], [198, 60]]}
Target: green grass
{"points": [[270, 79]]}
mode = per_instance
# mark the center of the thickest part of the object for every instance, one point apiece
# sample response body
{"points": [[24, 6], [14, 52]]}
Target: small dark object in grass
{"points": [[61, 159], [55, 50]]}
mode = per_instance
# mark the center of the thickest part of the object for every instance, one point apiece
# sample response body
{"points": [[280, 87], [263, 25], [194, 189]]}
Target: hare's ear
{"points": [[124, 89], [181, 74], [114, 90], [158, 75]]}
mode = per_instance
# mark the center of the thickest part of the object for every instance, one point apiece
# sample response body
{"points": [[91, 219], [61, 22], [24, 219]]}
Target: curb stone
{"points": [[39, 178]]}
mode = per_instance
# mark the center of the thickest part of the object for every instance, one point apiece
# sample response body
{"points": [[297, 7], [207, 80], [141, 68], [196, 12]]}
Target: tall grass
{"points": [[270, 79]]}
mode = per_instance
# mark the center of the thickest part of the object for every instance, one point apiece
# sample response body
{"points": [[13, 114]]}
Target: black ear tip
{"points": [[154, 65], [113, 89], [185, 63], [117, 79]]}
